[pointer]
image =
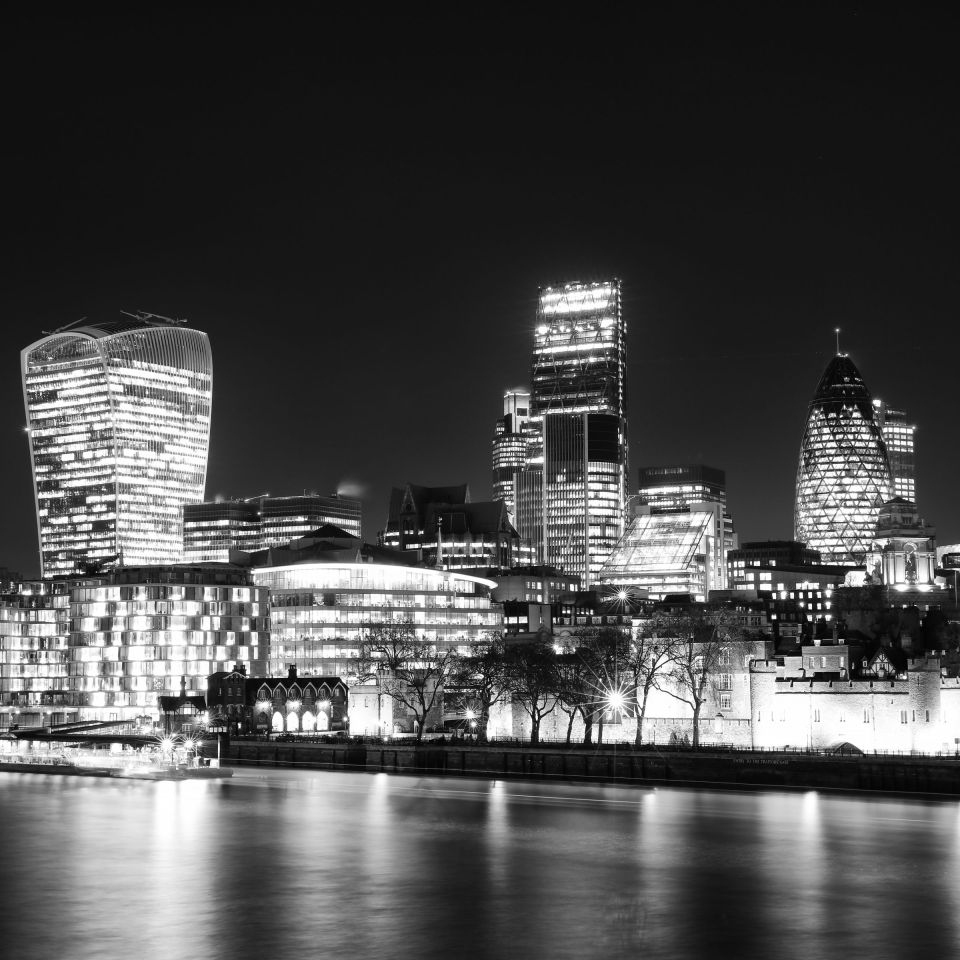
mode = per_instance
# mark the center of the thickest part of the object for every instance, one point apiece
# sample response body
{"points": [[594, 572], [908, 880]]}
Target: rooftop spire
{"points": [[836, 330]]}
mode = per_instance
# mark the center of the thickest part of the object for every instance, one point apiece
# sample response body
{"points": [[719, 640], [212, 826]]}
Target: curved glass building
{"points": [[320, 611], [843, 476], [118, 419]]}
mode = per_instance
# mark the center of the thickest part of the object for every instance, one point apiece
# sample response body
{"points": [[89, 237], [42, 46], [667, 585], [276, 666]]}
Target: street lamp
{"points": [[615, 701]]}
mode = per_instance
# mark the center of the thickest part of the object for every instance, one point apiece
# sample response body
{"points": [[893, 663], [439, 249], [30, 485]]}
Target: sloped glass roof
{"points": [[656, 543]]}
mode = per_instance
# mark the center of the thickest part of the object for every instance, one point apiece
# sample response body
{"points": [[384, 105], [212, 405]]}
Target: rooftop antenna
{"points": [[836, 330]]}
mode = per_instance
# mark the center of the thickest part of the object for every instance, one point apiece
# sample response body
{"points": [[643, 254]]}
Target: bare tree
{"points": [[648, 658], [591, 679], [480, 679], [574, 691], [697, 639], [533, 679], [411, 671]]}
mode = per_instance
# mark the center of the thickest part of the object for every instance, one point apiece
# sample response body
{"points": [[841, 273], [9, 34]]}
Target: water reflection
{"points": [[357, 865]]}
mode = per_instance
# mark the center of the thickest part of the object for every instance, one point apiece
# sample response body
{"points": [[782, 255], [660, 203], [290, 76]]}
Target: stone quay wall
{"points": [[621, 765]]}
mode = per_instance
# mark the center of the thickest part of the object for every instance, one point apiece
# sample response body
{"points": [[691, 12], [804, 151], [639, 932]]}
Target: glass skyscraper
{"points": [[118, 420], [510, 446], [571, 493], [898, 435], [843, 477]]}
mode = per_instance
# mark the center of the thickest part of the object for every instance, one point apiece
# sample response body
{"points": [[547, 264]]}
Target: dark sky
{"points": [[359, 210]]}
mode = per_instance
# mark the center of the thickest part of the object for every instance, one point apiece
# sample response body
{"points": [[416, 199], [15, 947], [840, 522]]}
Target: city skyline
{"points": [[367, 307]]}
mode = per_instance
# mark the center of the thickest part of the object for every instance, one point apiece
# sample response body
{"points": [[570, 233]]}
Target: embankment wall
{"points": [[923, 775]]}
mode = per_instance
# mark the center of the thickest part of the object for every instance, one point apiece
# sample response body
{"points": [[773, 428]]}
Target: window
{"points": [[903, 716], [866, 716], [928, 715], [726, 701], [726, 681], [816, 716]]}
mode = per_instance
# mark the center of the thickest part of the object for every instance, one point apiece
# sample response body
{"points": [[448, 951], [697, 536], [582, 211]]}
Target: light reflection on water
{"points": [[354, 865]]}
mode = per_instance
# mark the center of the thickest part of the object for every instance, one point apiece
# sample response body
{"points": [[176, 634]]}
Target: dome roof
{"points": [[842, 383]]}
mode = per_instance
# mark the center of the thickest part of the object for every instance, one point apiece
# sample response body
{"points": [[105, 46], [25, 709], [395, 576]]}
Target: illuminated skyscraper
{"points": [[118, 419], [571, 493], [843, 477], [510, 446], [897, 433]]}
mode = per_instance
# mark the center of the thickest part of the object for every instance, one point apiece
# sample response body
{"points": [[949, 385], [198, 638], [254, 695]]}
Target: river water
{"points": [[341, 865]]}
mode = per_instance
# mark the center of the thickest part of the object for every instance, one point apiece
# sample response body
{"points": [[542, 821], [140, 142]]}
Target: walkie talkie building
{"points": [[843, 477], [118, 420]]}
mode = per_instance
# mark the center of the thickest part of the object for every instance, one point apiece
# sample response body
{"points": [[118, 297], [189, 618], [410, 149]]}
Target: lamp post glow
{"points": [[615, 702]]}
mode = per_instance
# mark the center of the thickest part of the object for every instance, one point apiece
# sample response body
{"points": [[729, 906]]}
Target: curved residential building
{"points": [[118, 418], [843, 476], [150, 631], [320, 611]]}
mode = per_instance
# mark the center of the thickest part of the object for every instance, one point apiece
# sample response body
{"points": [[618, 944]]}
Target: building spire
{"points": [[836, 330]]}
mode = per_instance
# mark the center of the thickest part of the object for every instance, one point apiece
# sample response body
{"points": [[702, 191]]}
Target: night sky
{"points": [[359, 212]]}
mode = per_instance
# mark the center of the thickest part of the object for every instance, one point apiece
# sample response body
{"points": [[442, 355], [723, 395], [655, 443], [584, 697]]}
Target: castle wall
{"points": [[884, 715], [918, 714]]}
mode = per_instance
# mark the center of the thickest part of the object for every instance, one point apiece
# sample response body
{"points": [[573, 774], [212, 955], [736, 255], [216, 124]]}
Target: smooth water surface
{"points": [[342, 865]]}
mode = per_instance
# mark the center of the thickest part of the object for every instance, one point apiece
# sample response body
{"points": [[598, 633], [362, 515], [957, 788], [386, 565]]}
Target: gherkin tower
{"points": [[843, 476]]}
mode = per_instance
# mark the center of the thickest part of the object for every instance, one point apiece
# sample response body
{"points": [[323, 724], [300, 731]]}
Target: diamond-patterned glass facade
{"points": [[843, 477]]}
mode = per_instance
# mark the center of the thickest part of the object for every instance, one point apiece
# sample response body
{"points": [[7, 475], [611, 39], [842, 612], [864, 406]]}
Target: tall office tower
{"points": [[571, 493], [510, 446], [843, 477], [684, 489], [898, 434], [118, 419]]}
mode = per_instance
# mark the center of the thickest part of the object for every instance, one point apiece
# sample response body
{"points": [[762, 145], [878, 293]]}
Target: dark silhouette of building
{"points": [[448, 531]]}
